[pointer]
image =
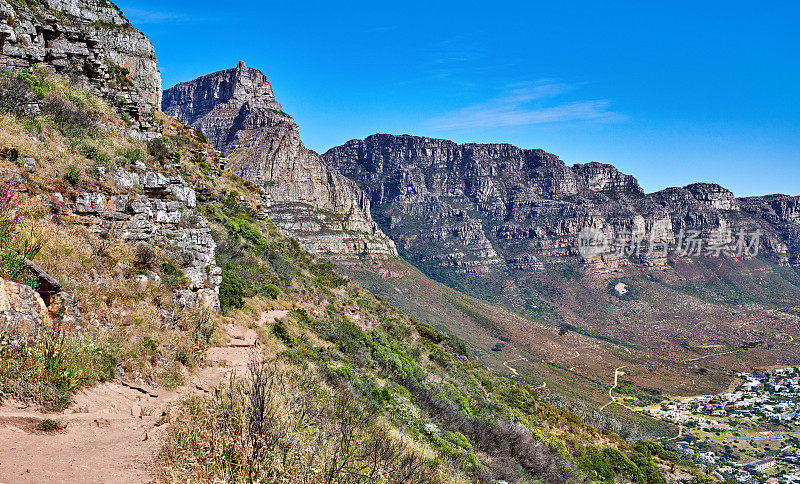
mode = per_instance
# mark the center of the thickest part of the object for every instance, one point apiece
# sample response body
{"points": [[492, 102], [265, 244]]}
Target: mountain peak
{"points": [[226, 105], [237, 111]]}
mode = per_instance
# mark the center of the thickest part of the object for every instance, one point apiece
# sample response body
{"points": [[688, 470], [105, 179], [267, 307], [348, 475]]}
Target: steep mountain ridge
{"points": [[506, 225], [443, 202], [89, 41], [237, 111]]}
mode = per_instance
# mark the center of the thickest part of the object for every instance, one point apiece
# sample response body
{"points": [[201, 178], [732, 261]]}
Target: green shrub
{"points": [[621, 464], [13, 267], [12, 253], [17, 91], [72, 175], [650, 472], [281, 332], [326, 275], [149, 344], [172, 277], [49, 425], [427, 331], [131, 155], [52, 370], [232, 290], [89, 151], [272, 291], [596, 465], [204, 328]]}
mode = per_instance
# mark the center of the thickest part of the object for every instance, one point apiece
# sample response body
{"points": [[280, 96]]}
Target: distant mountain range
{"points": [[504, 224]]}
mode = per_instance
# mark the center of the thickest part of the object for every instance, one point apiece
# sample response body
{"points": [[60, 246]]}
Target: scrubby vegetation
{"points": [[346, 347], [346, 388], [125, 330]]}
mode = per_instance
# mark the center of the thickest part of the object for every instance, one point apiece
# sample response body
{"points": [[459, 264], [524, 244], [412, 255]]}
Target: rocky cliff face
{"points": [[497, 209], [237, 111], [89, 41]]}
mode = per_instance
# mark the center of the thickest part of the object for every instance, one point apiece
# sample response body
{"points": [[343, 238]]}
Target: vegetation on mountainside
{"points": [[352, 352], [346, 388], [127, 328]]}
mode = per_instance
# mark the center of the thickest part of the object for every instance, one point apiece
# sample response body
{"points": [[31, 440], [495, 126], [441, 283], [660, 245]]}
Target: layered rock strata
{"points": [[237, 111], [88, 41], [159, 210], [481, 208]]}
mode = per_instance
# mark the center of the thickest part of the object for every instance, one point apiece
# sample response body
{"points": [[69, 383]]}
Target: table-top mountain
{"points": [[237, 111], [491, 208]]}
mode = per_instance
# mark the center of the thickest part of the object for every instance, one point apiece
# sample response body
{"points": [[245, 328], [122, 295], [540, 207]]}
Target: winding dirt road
{"points": [[617, 373], [512, 369]]}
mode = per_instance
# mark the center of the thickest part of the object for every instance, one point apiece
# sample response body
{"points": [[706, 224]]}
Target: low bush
{"points": [[131, 155], [13, 248], [172, 277], [144, 256], [282, 333], [158, 149], [50, 425], [72, 175], [59, 364], [284, 425], [18, 91], [232, 290], [73, 120]]}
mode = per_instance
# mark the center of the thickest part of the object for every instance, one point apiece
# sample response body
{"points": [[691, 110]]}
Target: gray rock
{"points": [[485, 209], [153, 181], [29, 165], [238, 112], [89, 41], [22, 311], [208, 299], [196, 278]]}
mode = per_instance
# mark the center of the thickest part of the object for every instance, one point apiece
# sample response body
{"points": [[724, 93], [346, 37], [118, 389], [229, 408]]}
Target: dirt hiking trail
{"points": [[113, 430]]}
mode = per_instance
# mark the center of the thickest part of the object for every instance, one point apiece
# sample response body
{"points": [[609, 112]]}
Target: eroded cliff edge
{"points": [[90, 42], [237, 111]]}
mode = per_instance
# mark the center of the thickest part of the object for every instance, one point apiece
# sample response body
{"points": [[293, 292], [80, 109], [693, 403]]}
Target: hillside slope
{"points": [[505, 225], [153, 269], [92, 42]]}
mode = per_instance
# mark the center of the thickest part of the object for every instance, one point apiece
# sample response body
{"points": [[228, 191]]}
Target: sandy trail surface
{"points": [[113, 430]]}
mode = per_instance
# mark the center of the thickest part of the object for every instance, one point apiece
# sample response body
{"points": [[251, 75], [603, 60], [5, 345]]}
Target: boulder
{"points": [[47, 286], [208, 299], [22, 311], [29, 165]]}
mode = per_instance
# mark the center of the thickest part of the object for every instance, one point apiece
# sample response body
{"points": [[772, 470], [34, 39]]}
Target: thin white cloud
{"points": [[144, 16], [524, 105]]}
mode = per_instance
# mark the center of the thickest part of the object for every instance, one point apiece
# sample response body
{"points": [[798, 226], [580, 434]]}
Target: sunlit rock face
{"points": [[88, 41], [237, 111], [485, 208]]}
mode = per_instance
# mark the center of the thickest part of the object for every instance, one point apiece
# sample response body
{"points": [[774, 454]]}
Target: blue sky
{"points": [[671, 92]]}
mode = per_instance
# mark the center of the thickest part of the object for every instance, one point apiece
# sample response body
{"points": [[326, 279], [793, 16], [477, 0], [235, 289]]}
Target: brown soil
{"points": [[114, 430]]}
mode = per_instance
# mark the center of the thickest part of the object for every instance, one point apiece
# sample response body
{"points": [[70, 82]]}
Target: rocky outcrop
{"points": [[89, 41], [160, 211], [781, 214], [237, 111], [495, 208], [23, 313]]}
